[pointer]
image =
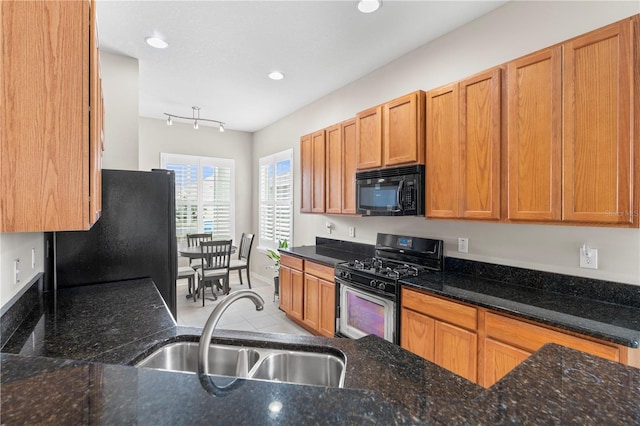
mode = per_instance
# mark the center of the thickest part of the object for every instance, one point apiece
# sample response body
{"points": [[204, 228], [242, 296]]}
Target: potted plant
{"points": [[274, 255]]}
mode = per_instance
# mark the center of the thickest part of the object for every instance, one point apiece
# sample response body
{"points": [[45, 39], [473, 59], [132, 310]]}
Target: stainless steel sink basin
{"points": [[183, 356], [301, 367]]}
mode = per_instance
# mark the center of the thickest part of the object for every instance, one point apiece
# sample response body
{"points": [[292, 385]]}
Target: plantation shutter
{"points": [[204, 194], [276, 199]]}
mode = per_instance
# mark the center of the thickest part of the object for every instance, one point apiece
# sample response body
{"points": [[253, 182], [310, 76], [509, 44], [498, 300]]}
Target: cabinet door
{"points": [[311, 306], [306, 172], [597, 85], [480, 146], [297, 294], [286, 287], [403, 122], [318, 179], [499, 359], [443, 153], [334, 169], [369, 138], [534, 140], [417, 334], [456, 350], [327, 320], [349, 167], [44, 100]]}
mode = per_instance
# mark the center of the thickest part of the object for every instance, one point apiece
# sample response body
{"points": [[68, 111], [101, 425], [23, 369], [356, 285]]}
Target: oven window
{"points": [[379, 196], [365, 315]]}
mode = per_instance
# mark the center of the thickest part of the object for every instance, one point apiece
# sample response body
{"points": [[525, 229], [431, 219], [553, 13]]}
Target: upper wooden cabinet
{"points": [[534, 137], [391, 134], [597, 116], [341, 168], [318, 175], [51, 114], [306, 171], [348, 130], [328, 170], [463, 148], [443, 153], [570, 130]]}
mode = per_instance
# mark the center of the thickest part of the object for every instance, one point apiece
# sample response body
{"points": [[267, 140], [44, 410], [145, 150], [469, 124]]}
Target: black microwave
{"points": [[391, 192]]}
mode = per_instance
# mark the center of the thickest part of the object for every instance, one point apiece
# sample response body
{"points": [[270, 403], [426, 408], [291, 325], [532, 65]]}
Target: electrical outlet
{"points": [[463, 245], [352, 231], [33, 258], [588, 257]]}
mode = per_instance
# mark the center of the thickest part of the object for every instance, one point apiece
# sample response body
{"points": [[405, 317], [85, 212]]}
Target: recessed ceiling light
{"points": [[369, 6], [276, 75], [156, 42]]}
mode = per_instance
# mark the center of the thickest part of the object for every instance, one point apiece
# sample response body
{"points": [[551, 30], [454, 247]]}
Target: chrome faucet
{"points": [[214, 318]]}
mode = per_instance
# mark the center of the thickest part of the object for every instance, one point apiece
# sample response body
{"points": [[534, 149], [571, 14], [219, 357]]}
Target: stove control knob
{"points": [[381, 286], [345, 274], [373, 283]]}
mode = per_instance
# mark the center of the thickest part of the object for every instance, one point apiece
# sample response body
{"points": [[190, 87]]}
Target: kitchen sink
{"points": [[301, 367], [272, 364], [224, 360]]}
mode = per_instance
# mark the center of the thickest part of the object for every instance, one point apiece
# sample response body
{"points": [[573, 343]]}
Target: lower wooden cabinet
{"points": [[440, 331], [481, 345], [499, 359], [307, 294], [291, 286]]}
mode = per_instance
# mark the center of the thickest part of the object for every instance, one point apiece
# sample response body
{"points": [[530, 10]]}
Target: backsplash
{"points": [[605, 291]]}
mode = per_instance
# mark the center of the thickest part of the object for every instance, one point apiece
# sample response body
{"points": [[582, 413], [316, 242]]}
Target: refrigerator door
{"points": [[134, 238]]}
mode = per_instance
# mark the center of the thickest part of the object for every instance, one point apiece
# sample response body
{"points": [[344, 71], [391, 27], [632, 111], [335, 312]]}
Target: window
{"points": [[204, 194], [276, 199]]}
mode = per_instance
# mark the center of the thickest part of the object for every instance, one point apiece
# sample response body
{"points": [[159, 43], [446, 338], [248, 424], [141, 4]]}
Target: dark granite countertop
{"points": [[603, 320], [71, 362], [603, 310]]}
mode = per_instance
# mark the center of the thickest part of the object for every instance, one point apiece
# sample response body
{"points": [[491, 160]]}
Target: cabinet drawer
{"points": [[320, 271], [444, 310], [532, 337], [292, 262]]}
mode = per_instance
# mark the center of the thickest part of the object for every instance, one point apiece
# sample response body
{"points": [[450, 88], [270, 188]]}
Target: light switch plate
{"points": [[463, 245], [352, 231]]}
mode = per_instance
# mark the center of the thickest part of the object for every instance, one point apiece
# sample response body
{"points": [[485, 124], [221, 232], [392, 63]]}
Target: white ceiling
{"points": [[220, 52]]}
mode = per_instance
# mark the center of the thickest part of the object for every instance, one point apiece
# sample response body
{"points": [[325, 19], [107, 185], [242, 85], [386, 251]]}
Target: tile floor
{"points": [[242, 315]]}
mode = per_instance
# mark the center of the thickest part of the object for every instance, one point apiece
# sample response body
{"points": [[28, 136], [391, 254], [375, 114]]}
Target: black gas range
{"points": [[368, 290]]}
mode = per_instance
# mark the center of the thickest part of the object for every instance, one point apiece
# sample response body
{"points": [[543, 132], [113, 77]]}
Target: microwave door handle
{"points": [[399, 196]]}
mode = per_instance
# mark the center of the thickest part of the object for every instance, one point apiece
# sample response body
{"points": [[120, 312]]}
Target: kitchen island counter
{"points": [[384, 384]]}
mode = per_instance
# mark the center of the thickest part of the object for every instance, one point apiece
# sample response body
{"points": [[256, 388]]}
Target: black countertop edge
{"points": [[584, 321]]}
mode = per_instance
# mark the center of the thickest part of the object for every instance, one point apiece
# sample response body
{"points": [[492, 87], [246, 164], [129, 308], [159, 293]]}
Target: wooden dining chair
{"points": [[244, 253], [216, 256], [194, 240]]}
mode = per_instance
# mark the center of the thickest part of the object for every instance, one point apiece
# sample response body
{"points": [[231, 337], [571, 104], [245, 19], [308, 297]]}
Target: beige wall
{"points": [[181, 138], [120, 87], [511, 31]]}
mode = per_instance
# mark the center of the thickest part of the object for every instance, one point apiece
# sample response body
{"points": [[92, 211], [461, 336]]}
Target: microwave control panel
{"points": [[409, 196]]}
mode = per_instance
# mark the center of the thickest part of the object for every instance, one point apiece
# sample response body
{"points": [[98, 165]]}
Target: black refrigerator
{"points": [[134, 238]]}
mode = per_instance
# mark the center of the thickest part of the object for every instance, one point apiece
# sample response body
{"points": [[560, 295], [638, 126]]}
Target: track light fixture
{"points": [[195, 117]]}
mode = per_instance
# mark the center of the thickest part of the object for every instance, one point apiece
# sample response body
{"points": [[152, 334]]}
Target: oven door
{"points": [[361, 313]]}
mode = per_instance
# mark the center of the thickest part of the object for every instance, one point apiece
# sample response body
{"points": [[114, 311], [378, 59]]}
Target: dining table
{"points": [[194, 252]]}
